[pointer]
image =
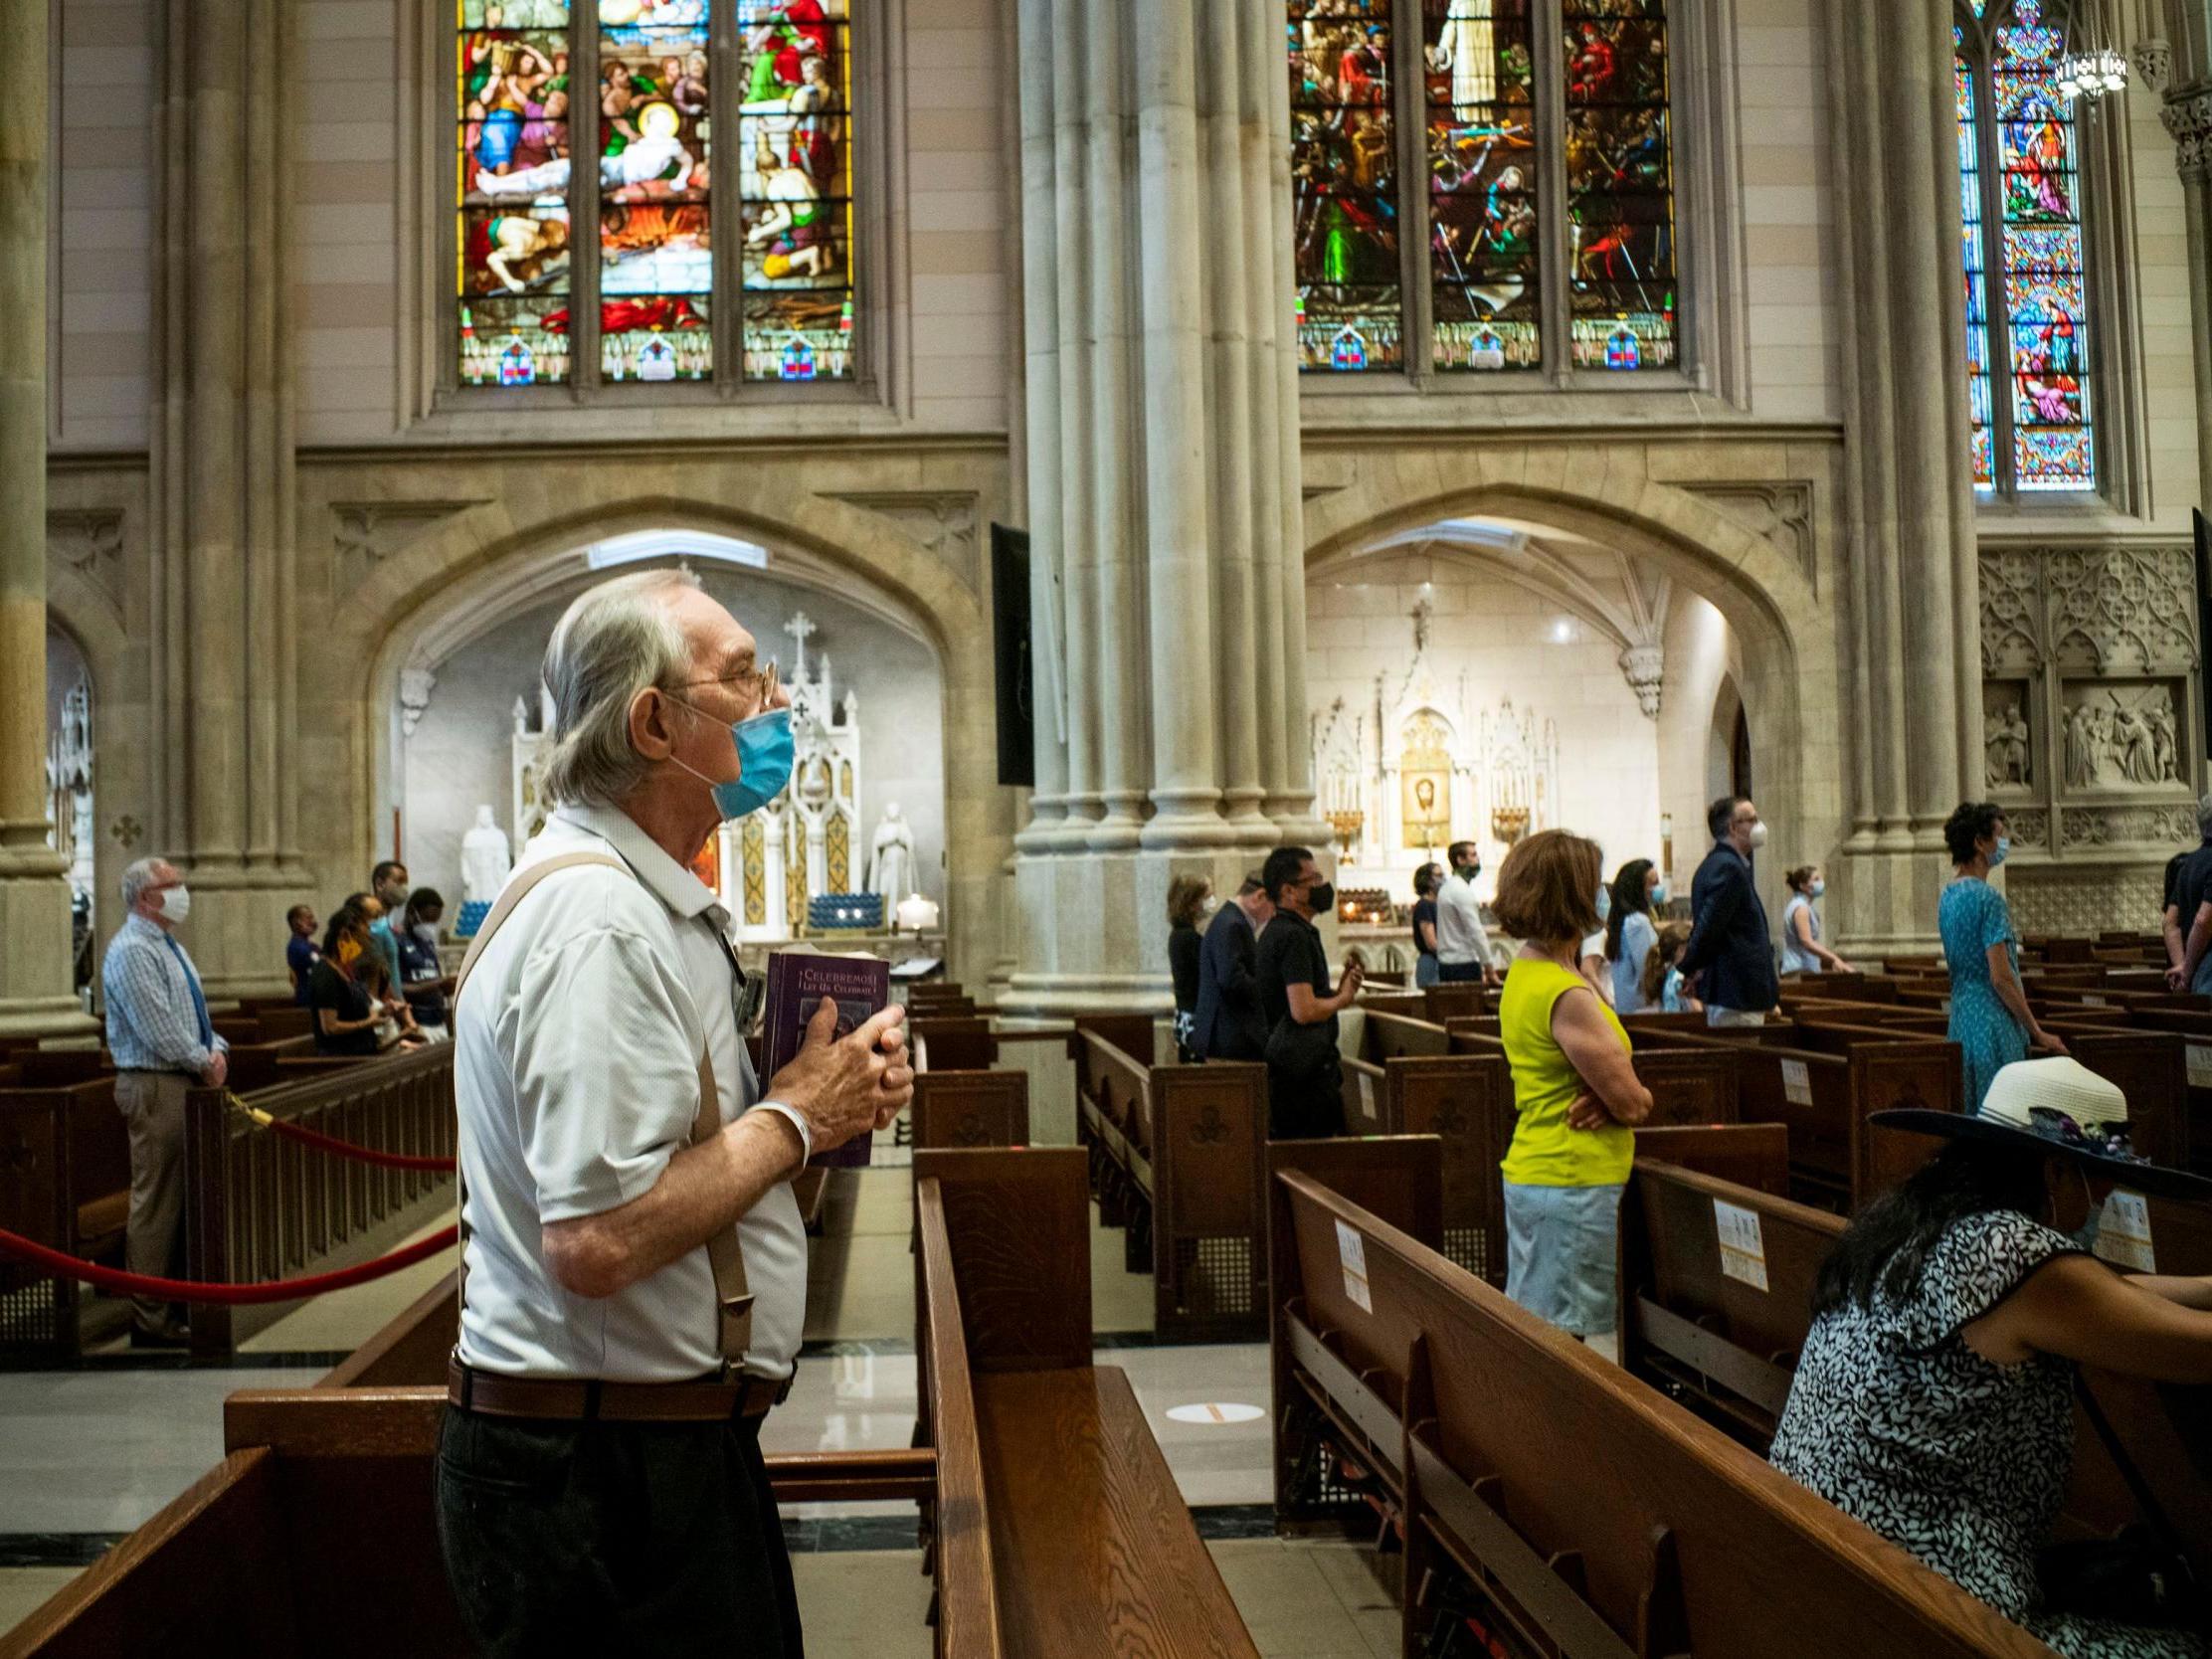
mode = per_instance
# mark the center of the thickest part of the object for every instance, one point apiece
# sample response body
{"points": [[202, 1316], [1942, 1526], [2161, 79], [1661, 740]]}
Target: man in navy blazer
{"points": [[1728, 944], [1227, 1023]]}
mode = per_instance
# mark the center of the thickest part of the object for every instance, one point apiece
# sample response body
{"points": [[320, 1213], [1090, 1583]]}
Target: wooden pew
{"points": [[1406, 1079], [1721, 1328], [953, 1042], [971, 1108], [260, 1205], [1577, 1509], [1690, 1082], [64, 1183], [1753, 1154], [1091, 1550], [1175, 1158], [1823, 1082]]}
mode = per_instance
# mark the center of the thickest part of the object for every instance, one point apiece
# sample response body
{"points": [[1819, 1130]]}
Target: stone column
{"points": [[36, 995], [223, 484], [2188, 116], [1166, 521], [1909, 487]]}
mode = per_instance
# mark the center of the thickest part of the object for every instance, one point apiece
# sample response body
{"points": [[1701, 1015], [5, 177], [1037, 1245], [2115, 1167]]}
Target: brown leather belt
{"points": [[590, 1401]]}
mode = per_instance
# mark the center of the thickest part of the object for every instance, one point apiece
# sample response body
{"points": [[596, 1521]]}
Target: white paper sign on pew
{"points": [[2200, 1065], [1742, 1245], [2123, 1232], [1797, 1082], [1351, 1252], [1369, 1111]]}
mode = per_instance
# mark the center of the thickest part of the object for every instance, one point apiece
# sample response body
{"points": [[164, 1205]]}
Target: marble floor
{"points": [[89, 1453]]}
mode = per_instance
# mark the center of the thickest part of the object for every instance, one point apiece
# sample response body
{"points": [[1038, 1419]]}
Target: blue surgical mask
{"points": [[1659, 894], [1605, 903], [764, 757], [1817, 888], [2005, 848]]}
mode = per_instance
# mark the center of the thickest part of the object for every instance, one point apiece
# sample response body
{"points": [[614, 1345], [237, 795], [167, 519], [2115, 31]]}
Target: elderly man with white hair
{"points": [[163, 1042], [633, 1267]]}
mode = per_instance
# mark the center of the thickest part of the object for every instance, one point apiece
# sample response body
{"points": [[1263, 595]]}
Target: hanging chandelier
{"points": [[2091, 65]]}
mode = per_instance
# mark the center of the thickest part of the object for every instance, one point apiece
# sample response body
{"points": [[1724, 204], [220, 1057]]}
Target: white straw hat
{"points": [[2061, 1083]]}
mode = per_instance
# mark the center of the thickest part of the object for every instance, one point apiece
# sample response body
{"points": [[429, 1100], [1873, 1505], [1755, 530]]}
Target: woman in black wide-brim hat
{"points": [[1933, 1399]]}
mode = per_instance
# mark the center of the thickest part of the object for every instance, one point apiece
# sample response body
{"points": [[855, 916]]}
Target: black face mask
{"points": [[1322, 898], [1467, 872]]}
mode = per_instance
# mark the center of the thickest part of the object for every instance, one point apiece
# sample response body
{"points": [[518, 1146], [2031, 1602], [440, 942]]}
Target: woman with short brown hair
{"points": [[1574, 1091]]}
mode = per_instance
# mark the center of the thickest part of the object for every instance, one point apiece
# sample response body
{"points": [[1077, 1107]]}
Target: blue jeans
{"points": [[1427, 971], [1561, 1244]]}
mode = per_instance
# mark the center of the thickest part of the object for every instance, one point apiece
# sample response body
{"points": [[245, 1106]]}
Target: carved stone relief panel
{"points": [[1780, 510], [2007, 736], [2011, 613], [366, 533], [2080, 904], [2121, 735], [2091, 827], [2031, 828], [944, 523], [2121, 610], [89, 541]]}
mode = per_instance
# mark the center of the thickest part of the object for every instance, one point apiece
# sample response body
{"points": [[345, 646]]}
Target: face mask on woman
{"points": [[1817, 888], [1604, 904], [2004, 849], [1659, 895]]}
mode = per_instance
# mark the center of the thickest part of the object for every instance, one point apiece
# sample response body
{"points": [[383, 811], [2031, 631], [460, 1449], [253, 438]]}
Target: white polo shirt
{"points": [[576, 1078], [1461, 936]]}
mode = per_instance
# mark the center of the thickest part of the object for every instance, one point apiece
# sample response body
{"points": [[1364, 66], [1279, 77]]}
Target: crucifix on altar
{"points": [[800, 627]]}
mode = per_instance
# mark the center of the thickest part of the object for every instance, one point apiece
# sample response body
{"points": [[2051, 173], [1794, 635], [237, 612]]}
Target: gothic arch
{"points": [[491, 557], [1790, 650]]}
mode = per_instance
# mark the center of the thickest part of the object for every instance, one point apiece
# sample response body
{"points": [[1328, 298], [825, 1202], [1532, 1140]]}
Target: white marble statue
{"points": [[485, 859], [891, 863]]}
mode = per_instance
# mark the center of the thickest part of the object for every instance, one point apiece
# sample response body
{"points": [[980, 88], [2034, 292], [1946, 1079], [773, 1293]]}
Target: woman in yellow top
{"points": [[1573, 1089]]}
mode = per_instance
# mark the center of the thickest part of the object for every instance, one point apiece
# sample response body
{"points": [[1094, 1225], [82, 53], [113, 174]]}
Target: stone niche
{"points": [[2009, 739]]}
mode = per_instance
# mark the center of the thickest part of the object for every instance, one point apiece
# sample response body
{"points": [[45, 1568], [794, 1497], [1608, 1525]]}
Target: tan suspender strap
{"points": [[733, 1297]]}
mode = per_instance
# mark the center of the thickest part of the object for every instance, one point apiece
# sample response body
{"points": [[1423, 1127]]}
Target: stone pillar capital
{"points": [[2187, 118], [1645, 667]]}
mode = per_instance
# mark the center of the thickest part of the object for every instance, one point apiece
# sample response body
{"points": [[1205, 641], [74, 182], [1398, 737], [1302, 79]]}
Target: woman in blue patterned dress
{"points": [[1991, 1019]]}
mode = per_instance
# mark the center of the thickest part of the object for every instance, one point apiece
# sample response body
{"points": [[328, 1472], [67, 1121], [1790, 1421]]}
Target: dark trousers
{"points": [[1305, 1106], [1458, 972], [606, 1538]]}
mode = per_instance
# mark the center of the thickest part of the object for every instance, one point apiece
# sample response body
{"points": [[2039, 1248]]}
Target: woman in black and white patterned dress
{"points": [[1933, 1399]]}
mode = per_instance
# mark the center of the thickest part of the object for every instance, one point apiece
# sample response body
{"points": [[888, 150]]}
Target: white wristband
{"points": [[790, 1115]]}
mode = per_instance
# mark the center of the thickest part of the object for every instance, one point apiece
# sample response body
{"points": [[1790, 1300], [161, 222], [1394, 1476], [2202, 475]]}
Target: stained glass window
{"points": [[656, 256], [1544, 200], [2028, 306], [769, 299], [1485, 273], [793, 176], [1619, 184], [512, 163], [1344, 186]]}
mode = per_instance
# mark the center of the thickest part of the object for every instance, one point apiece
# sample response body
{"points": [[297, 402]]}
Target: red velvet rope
{"points": [[346, 1149], [194, 1290]]}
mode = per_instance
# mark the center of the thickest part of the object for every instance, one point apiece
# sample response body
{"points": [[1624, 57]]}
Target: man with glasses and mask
{"points": [[633, 1262], [1305, 1079], [1729, 946], [163, 1043]]}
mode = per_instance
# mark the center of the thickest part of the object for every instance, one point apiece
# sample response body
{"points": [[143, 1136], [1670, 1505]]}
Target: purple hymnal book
{"points": [[797, 983]]}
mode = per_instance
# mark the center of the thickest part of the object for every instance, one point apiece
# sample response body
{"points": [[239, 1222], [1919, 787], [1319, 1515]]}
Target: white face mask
{"points": [[175, 903], [1758, 833]]}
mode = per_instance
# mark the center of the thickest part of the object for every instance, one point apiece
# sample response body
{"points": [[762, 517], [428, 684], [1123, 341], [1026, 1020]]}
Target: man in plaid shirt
{"points": [[163, 1042]]}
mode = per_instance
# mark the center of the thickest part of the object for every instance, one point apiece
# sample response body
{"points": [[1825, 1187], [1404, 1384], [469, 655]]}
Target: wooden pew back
{"points": [[971, 1108], [1602, 1513], [954, 1042]]}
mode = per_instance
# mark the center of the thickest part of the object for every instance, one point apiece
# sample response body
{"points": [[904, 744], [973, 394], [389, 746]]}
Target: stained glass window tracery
{"points": [[754, 283], [2027, 298], [1539, 232]]}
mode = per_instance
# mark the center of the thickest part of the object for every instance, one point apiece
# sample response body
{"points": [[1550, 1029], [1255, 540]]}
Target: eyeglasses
{"points": [[762, 684], [2107, 1140]]}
